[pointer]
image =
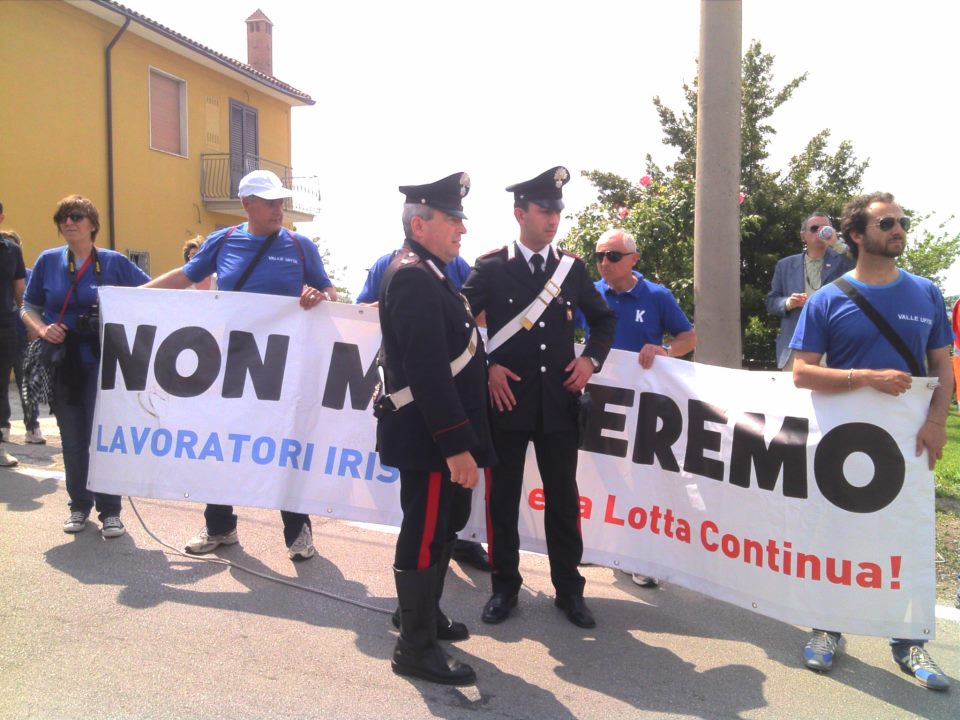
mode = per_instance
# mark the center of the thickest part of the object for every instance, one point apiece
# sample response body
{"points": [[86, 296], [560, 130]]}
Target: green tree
{"points": [[334, 272], [659, 210]]}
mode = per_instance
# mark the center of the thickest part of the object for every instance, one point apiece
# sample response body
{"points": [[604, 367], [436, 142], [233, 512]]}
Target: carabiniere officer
{"points": [[531, 291], [433, 420]]}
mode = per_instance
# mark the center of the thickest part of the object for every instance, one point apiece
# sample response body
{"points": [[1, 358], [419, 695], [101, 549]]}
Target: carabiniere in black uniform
{"points": [[426, 325], [502, 284]]}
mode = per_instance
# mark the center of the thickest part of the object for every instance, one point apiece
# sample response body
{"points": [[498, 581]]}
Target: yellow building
{"points": [[153, 127]]}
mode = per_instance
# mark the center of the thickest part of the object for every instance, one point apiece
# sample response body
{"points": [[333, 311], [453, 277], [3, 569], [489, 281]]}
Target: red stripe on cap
{"points": [[429, 520]]}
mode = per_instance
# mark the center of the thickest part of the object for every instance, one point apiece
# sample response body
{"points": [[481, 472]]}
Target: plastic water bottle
{"points": [[825, 232]]}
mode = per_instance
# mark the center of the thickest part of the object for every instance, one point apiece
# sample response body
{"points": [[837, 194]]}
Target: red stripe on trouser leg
{"points": [[429, 519], [487, 482]]}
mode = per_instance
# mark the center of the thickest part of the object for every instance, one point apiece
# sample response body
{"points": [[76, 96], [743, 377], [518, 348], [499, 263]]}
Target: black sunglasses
{"points": [[888, 222], [611, 255], [814, 228], [75, 216]]}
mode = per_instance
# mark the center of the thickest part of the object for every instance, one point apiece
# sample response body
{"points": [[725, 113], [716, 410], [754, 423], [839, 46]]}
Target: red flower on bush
{"points": [[645, 181], [622, 213], [742, 197]]}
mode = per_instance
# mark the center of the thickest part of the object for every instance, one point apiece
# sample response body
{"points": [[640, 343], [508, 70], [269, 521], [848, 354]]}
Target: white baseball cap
{"points": [[264, 184]]}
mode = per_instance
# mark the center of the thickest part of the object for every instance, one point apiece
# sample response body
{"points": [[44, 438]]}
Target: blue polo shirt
{"points": [[644, 314], [280, 271], [50, 284], [457, 272]]}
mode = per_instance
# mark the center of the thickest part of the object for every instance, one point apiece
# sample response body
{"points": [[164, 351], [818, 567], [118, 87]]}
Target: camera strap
{"points": [[75, 276]]}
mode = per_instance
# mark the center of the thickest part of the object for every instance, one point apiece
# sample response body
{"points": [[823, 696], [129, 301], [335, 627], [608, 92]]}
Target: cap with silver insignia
{"points": [[445, 195], [546, 189]]}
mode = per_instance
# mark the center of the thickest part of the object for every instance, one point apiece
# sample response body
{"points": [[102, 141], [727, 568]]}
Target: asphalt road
{"points": [[125, 628]]}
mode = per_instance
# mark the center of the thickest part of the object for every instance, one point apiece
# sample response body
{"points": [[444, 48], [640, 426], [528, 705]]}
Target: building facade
{"points": [[153, 127]]}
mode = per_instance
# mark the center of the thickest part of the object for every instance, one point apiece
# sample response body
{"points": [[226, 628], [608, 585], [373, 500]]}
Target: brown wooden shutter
{"points": [[165, 114]]}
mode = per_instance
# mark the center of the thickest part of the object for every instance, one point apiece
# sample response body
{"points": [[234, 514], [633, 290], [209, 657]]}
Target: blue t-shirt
{"points": [[50, 283], [644, 313], [831, 323], [280, 271], [457, 272]]}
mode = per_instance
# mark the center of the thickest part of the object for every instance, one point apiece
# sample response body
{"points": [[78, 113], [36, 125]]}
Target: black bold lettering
{"points": [[699, 439], [599, 420], [889, 467], [346, 371], [204, 345], [649, 441], [266, 374], [133, 363], [788, 450]]}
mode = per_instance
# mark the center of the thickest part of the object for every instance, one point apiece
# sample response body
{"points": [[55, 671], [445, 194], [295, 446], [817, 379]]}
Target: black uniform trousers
{"points": [[434, 510], [557, 461]]}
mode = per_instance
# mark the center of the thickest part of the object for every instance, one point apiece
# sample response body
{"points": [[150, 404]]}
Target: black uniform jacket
{"points": [[425, 324], [503, 285]]}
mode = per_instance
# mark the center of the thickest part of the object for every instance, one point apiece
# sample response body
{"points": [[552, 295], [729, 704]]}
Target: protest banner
{"points": [[809, 508]]}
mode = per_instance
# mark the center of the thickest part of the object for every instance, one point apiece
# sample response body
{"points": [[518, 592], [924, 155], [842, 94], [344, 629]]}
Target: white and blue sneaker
{"points": [[916, 661], [820, 650]]}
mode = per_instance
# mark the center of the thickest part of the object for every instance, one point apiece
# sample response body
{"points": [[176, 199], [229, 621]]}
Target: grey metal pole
{"points": [[716, 227]]}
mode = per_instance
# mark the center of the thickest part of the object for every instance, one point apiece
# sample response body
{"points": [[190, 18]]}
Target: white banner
{"points": [[812, 509]]}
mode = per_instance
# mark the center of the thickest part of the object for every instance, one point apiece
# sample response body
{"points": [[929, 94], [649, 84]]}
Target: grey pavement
{"points": [[126, 628]]}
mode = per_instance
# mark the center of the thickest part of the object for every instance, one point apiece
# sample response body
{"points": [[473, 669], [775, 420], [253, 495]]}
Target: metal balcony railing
{"points": [[221, 172]]}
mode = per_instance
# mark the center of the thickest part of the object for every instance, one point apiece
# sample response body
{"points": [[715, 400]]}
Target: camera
{"points": [[89, 322]]}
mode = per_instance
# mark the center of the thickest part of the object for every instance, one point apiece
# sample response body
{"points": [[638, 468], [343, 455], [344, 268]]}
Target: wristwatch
{"points": [[666, 349], [595, 363]]}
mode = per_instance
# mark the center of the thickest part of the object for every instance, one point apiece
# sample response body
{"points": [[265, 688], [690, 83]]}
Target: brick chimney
{"points": [[260, 43]]}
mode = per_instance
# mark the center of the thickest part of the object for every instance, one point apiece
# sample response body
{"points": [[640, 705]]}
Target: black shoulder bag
{"points": [[882, 325]]}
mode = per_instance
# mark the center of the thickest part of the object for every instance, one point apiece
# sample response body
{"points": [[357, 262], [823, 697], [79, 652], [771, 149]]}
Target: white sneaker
{"points": [[5, 434], [76, 522], [35, 437], [302, 547], [644, 580], [203, 542], [7, 460], [112, 527]]}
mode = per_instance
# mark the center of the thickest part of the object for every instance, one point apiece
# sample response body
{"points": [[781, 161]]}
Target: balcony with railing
{"points": [[220, 178]]}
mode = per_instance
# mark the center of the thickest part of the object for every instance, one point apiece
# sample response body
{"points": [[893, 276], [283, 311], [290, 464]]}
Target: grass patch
{"points": [[947, 473], [947, 484]]}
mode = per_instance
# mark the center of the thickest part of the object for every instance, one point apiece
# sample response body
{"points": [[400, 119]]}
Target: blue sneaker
{"points": [[916, 661], [820, 649]]}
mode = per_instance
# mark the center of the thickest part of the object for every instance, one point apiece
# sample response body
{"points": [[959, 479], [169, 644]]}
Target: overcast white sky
{"points": [[409, 92]]}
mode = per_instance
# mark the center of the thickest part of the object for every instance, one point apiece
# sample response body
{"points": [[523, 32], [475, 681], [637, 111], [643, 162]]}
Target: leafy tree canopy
{"points": [[658, 210]]}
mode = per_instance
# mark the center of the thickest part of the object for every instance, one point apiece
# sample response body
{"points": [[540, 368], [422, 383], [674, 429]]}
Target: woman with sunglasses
{"points": [[61, 306]]}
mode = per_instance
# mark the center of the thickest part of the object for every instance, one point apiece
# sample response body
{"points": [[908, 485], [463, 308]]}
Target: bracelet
{"points": [[850, 379]]}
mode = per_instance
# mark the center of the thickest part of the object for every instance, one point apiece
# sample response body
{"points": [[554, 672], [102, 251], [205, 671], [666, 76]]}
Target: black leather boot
{"points": [[418, 654], [447, 629]]}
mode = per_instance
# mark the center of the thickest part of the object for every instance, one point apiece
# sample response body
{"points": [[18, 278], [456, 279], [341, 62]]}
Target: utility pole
{"points": [[716, 226]]}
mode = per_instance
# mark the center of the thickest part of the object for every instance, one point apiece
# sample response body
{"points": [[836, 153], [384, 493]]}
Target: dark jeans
{"points": [[31, 411], [220, 519], [75, 421], [8, 356]]}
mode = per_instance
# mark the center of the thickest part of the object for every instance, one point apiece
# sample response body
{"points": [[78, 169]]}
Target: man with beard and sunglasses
{"points": [[645, 312], [835, 323]]}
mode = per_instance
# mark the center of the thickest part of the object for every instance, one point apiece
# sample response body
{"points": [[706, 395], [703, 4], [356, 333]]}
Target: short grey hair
{"points": [[629, 242], [412, 210]]}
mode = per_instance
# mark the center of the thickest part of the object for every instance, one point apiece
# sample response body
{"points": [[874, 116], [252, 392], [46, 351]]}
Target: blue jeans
{"points": [[75, 420]]}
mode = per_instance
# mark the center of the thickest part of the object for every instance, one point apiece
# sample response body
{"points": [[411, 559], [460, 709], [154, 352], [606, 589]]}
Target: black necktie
{"points": [[538, 273]]}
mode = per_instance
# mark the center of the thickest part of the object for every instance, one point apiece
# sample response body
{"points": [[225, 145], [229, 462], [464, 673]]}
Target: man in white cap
{"points": [[292, 268]]}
